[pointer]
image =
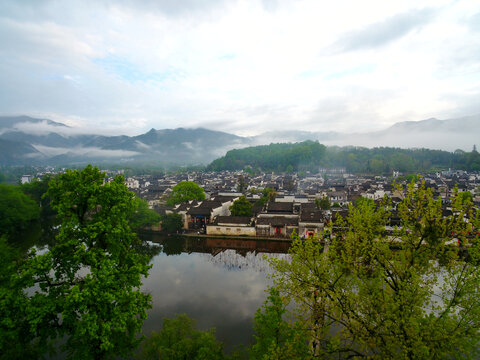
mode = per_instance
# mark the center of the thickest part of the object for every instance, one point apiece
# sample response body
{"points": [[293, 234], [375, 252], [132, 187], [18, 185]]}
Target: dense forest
{"points": [[310, 155]]}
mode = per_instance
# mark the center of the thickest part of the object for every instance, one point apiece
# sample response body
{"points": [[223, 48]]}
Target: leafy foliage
{"points": [[323, 203], [185, 191], [241, 184], [172, 223], [142, 216], [376, 295], [309, 155], [179, 340], [241, 207], [36, 189], [273, 157], [17, 210], [275, 338], [87, 285]]}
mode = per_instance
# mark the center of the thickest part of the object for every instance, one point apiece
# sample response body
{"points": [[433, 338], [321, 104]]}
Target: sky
{"points": [[244, 67]]}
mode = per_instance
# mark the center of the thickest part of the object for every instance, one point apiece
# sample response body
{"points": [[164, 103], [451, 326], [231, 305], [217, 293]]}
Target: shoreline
{"points": [[233, 237]]}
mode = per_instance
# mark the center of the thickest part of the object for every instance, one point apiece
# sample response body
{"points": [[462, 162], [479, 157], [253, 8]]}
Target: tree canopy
{"points": [[17, 210], [172, 222], [273, 157], [185, 191], [407, 294], [310, 155], [241, 207], [142, 216], [86, 288], [179, 340], [275, 337], [323, 203]]}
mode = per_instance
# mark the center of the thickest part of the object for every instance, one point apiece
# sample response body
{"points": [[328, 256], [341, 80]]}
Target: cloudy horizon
{"points": [[243, 67]]}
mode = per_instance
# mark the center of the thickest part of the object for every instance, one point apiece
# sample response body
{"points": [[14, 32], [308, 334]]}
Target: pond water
{"points": [[218, 282]]}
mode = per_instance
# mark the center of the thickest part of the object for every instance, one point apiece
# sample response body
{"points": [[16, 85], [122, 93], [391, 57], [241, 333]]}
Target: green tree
{"points": [[178, 340], [185, 191], [36, 190], [269, 193], [142, 216], [17, 210], [241, 207], [275, 338], [89, 281], [323, 203], [409, 294], [17, 313], [241, 184], [172, 223]]}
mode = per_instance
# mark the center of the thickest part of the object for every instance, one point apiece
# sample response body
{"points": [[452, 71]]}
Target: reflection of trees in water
{"points": [[40, 233], [173, 245], [232, 260]]}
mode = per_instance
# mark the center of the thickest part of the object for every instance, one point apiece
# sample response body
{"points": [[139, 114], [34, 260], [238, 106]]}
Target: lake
{"points": [[218, 282]]}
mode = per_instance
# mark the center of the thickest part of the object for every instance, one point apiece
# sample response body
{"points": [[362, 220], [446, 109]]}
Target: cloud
{"points": [[246, 67], [385, 31], [88, 152], [474, 22], [44, 128], [169, 7]]}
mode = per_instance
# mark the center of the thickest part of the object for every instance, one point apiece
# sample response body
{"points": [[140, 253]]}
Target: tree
{"points": [[185, 191], [269, 193], [323, 203], [17, 316], [179, 340], [241, 184], [275, 338], [241, 207], [89, 281], [142, 216], [17, 210], [172, 223], [36, 190], [409, 294]]}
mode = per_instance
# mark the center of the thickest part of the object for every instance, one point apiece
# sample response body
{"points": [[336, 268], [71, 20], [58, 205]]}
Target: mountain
{"points": [[12, 121], [41, 141], [449, 135], [25, 140]]}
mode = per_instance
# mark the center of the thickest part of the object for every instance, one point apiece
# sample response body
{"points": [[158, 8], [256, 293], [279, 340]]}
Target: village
{"points": [[294, 205]]}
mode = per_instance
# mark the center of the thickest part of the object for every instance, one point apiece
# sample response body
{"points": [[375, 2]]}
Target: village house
{"points": [[272, 225], [232, 225], [311, 222]]}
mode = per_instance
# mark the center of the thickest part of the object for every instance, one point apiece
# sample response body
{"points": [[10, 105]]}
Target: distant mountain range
{"points": [[29, 141]]}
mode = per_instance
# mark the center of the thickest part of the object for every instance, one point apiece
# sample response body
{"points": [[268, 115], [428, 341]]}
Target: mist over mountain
{"points": [[449, 135], [26, 141]]}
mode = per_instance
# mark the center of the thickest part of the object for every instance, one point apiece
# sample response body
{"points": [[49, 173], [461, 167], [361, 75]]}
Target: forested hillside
{"points": [[273, 157], [310, 155]]}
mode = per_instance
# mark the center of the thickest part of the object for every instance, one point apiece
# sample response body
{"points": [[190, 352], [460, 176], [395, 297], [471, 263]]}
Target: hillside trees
{"points": [[309, 155], [273, 157], [86, 287], [375, 295]]}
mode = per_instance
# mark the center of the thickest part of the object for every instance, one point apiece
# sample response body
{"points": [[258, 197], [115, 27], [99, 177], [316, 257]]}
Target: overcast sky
{"points": [[239, 66]]}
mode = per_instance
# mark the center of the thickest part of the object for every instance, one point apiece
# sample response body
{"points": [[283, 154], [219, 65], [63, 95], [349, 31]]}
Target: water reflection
{"points": [[218, 282]]}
